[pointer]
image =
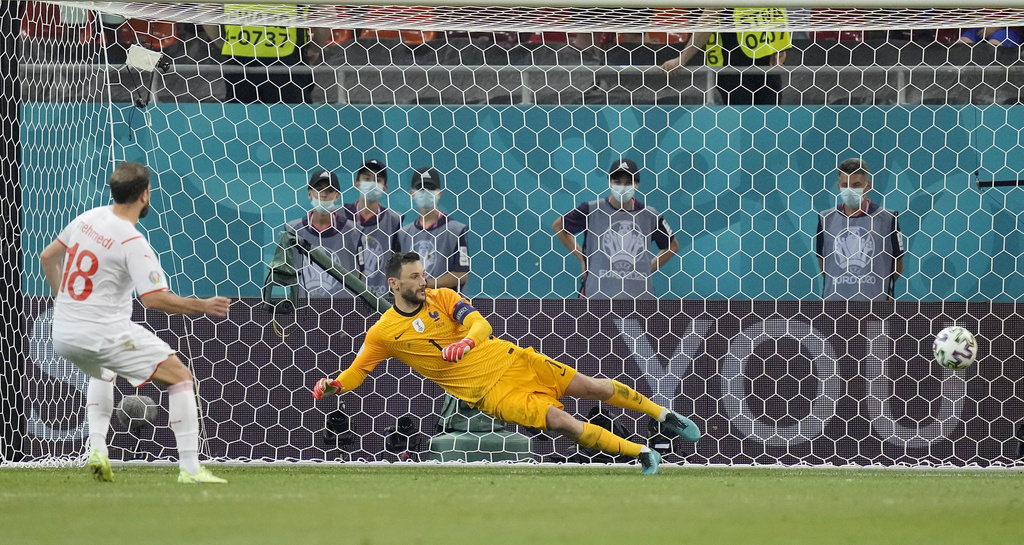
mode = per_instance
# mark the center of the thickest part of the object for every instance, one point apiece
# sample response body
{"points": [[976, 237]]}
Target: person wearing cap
{"points": [[441, 242], [377, 223], [323, 227], [615, 258]]}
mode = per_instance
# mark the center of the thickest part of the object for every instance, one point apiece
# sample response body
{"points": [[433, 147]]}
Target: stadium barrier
{"points": [[830, 84]]}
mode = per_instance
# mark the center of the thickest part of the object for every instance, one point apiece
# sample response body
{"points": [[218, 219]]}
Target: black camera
{"points": [[164, 64], [399, 438], [281, 307], [337, 431]]}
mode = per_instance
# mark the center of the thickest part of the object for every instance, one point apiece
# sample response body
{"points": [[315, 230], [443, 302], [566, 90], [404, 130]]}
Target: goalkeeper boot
{"points": [[99, 466], [681, 426], [203, 476], [649, 461]]}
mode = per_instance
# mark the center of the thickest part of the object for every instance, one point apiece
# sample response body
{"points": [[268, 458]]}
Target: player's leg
{"points": [[618, 394], [183, 416], [595, 437], [99, 402], [99, 406], [527, 394]]}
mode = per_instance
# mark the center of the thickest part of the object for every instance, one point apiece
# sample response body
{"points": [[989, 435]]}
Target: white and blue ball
{"points": [[955, 348]]}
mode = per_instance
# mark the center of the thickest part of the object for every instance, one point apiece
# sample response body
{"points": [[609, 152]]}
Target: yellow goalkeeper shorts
{"points": [[528, 387]]}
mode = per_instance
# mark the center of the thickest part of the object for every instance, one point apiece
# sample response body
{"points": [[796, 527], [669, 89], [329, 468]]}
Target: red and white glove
{"points": [[326, 387], [457, 351]]}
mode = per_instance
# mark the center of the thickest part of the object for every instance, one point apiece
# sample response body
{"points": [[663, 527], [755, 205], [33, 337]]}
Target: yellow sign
{"points": [[754, 45], [260, 41]]}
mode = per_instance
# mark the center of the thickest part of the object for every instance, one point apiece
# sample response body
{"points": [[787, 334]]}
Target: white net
{"points": [[522, 110]]}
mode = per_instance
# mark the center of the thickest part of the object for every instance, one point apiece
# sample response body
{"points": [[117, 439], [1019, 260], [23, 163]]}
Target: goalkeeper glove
{"points": [[457, 351], [326, 387]]}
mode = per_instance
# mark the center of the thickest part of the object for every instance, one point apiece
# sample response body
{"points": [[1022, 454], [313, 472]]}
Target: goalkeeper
{"points": [[440, 335]]}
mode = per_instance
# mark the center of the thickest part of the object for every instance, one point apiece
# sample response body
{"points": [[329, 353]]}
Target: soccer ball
{"points": [[955, 348], [136, 411]]}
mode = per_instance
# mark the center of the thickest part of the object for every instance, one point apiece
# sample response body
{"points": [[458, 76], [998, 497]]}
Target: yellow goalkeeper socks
{"points": [[596, 437], [628, 398]]}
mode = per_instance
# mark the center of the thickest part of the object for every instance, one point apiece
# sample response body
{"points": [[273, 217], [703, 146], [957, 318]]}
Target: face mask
{"points": [[424, 199], [622, 193], [371, 191], [324, 207], [851, 196]]}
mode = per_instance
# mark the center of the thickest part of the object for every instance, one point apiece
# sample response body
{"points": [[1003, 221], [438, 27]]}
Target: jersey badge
{"points": [[154, 277], [417, 324], [435, 315]]}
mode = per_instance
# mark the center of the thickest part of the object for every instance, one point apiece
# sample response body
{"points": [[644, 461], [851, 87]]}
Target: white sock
{"points": [[99, 405], [644, 448], [664, 413], [183, 416]]}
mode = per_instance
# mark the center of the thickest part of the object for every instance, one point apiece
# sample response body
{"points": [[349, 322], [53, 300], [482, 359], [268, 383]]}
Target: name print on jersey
{"points": [[106, 242]]}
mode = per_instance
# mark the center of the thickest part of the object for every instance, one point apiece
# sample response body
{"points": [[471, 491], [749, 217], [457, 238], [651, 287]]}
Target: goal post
{"points": [[12, 300], [576, 16], [523, 125]]}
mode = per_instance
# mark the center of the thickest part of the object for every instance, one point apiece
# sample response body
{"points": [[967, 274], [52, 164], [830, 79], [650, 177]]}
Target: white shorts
{"points": [[126, 349]]}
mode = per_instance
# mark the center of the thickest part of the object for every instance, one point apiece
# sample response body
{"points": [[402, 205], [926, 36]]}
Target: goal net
{"points": [[522, 109]]}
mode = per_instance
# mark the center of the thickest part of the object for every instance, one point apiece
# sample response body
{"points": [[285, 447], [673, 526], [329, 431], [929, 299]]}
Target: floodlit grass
{"points": [[498, 505]]}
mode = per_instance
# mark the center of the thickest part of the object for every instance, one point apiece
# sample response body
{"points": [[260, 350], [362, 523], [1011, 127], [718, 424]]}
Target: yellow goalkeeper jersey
{"points": [[418, 338]]}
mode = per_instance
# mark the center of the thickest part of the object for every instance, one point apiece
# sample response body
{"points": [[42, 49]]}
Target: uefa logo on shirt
{"points": [[855, 249], [426, 250], [154, 277], [371, 253], [623, 243]]}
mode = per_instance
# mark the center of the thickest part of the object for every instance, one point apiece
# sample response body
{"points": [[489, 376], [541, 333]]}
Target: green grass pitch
{"points": [[513, 505]]}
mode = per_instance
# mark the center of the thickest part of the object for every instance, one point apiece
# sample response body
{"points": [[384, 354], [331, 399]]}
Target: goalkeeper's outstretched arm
{"points": [[372, 353], [349, 379]]}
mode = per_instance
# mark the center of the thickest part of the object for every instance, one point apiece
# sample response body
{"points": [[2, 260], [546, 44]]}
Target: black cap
{"points": [[376, 168], [627, 166], [426, 178], [322, 179]]}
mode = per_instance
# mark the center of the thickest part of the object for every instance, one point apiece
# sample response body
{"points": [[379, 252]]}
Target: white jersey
{"points": [[107, 258]]}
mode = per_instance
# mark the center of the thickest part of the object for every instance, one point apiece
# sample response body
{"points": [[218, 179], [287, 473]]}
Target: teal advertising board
{"points": [[740, 186]]}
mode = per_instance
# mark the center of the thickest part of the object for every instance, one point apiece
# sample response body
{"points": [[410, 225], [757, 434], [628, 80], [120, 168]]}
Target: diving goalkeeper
{"points": [[441, 336]]}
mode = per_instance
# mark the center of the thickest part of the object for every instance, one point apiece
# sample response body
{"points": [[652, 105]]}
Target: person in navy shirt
{"points": [[323, 227], [441, 242], [376, 222], [859, 246], [615, 258]]}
